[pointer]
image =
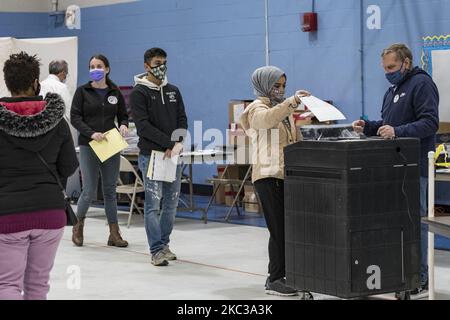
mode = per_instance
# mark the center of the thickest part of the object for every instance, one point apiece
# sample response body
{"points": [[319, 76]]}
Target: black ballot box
{"points": [[352, 216]]}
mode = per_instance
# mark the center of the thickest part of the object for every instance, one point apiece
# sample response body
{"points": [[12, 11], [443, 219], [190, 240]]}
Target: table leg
{"points": [[431, 172]]}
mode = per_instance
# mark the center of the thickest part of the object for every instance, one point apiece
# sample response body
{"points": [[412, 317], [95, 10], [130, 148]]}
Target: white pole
{"points": [[55, 5], [431, 173], [266, 14]]}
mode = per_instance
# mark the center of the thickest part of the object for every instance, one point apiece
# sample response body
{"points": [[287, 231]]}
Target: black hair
{"points": [[154, 52], [20, 72], [106, 63]]}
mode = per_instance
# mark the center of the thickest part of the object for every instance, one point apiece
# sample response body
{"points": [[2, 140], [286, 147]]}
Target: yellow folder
{"points": [[113, 144]]}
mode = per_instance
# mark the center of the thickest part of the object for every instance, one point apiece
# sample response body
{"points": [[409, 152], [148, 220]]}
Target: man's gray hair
{"points": [[57, 66], [401, 50]]}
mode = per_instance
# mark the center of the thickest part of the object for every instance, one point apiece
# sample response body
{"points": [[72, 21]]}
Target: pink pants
{"points": [[26, 259]]}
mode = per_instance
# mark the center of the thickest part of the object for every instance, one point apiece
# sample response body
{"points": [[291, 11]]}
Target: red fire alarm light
{"points": [[309, 23]]}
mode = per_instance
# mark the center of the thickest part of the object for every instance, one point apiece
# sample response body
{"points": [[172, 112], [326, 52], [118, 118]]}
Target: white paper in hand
{"points": [[160, 169], [322, 110]]}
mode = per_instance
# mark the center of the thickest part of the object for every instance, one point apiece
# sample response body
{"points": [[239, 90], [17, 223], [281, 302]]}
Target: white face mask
{"points": [[65, 78], [277, 95]]}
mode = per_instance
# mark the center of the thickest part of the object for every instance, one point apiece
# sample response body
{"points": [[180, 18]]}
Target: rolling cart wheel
{"points": [[306, 295], [404, 295]]}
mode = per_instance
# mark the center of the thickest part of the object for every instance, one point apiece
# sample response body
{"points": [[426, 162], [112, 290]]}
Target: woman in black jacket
{"points": [[95, 107], [32, 215]]}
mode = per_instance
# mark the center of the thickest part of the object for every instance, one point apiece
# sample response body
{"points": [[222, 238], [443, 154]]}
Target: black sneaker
{"points": [[422, 290], [279, 288]]}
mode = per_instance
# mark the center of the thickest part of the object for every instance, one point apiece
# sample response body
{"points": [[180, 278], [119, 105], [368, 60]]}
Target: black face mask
{"points": [[38, 89]]}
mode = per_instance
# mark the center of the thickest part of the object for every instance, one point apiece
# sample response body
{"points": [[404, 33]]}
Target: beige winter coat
{"points": [[268, 136]]}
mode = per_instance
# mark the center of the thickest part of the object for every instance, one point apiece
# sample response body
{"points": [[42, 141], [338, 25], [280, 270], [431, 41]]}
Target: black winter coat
{"points": [[92, 113], [26, 185]]}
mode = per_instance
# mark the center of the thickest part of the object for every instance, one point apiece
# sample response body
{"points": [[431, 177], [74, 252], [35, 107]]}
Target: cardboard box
{"points": [[235, 127], [220, 195], [238, 138], [249, 189], [236, 108], [220, 169], [236, 171], [444, 127], [230, 194], [251, 203], [243, 155], [250, 200], [233, 172]]}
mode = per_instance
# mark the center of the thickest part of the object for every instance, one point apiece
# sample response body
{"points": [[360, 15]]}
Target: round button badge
{"points": [[396, 98], [112, 100]]}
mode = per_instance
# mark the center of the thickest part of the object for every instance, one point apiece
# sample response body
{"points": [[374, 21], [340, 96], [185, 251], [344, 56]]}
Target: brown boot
{"points": [[77, 233], [115, 239]]}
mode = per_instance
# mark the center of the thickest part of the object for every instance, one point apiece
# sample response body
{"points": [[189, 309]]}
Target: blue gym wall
{"points": [[23, 25], [214, 46]]}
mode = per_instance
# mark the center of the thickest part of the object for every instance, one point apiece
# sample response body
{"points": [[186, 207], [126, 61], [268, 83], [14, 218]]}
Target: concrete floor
{"points": [[217, 261]]}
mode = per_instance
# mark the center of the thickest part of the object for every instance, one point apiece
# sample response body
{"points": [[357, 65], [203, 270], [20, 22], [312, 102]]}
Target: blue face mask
{"points": [[97, 74], [396, 77]]}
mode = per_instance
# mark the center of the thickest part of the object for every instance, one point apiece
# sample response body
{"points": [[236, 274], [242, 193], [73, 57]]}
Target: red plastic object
{"points": [[309, 22]]}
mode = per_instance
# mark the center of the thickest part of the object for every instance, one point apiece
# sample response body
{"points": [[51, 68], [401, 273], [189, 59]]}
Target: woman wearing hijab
{"points": [[269, 123]]}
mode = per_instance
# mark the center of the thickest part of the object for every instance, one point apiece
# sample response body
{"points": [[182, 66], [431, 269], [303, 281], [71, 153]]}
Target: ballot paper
{"points": [[322, 110], [160, 169], [113, 144]]}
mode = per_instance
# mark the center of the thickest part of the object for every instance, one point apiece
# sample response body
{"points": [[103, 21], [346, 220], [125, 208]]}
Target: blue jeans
{"points": [[424, 230], [159, 219], [90, 167]]}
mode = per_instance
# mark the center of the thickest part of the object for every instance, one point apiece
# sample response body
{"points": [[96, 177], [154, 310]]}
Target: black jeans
{"points": [[271, 194]]}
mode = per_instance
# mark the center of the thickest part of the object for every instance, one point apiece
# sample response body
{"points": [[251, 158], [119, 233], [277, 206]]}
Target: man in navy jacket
{"points": [[410, 109]]}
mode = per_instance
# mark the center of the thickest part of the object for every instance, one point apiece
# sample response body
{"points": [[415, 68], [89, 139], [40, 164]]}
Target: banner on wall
{"points": [[436, 61], [46, 49]]}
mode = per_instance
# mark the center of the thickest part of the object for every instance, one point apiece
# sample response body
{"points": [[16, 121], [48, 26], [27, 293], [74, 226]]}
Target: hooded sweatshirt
{"points": [[158, 112], [411, 108], [30, 198]]}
